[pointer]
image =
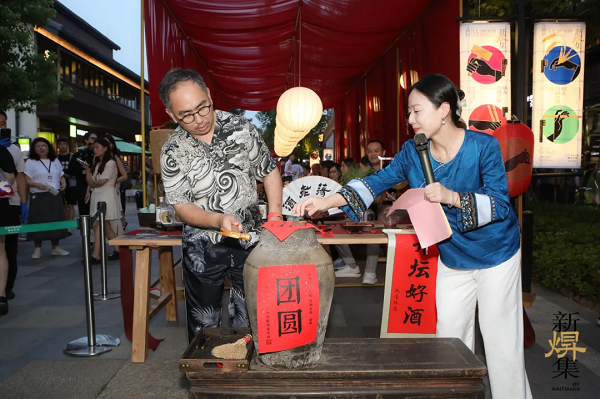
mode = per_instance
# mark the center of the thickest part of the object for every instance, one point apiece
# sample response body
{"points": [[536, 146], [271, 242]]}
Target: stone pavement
{"points": [[48, 313]]}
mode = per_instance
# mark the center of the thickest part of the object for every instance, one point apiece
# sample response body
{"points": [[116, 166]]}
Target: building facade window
{"points": [[79, 73]]}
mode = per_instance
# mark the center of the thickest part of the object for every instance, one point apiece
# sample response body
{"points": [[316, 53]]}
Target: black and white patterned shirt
{"points": [[220, 177]]}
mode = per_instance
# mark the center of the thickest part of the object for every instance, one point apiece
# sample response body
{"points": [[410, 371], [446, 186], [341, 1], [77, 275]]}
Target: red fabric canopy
{"points": [[249, 51]]}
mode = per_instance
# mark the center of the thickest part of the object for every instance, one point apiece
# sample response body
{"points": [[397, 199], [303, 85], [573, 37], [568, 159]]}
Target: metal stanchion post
{"points": [[105, 295], [89, 345]]}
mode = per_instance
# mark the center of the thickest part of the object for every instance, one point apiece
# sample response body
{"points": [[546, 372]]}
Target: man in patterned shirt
{"points": [[209, 166]]}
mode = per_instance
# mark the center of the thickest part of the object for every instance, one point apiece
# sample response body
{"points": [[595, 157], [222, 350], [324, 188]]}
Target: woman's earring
{"points": [[443, 121]]}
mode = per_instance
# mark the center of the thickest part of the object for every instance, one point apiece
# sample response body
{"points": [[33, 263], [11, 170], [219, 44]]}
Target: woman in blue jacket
{"points": [[480, 263]]}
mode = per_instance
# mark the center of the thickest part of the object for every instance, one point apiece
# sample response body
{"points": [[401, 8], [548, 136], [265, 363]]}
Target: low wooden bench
{"points": [[349, 368]]}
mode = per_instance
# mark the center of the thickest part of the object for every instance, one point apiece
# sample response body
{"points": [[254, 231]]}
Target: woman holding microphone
{"points": [[480, 263]]}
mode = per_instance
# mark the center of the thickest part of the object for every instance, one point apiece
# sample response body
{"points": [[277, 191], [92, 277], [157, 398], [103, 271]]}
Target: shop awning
{"points": [[125, 147], [249, 51]]}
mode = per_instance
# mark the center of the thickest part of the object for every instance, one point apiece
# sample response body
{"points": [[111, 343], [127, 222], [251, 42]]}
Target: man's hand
{"points": [[229, 222]]}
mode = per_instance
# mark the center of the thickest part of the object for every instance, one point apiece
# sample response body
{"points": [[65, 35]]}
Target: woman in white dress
{"points": [[101, 179]]}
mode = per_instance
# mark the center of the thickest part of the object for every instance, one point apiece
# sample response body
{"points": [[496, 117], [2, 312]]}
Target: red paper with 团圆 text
{"points": [[412, 301], [287, 304]]}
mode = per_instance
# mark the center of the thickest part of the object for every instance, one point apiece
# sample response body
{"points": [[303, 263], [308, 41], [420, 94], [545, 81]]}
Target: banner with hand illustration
{"points": [[558, 70], [485, 75]]}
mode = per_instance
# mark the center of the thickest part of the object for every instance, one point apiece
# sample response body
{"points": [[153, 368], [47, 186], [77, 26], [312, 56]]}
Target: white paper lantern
{"points": [[287, 136], [284, 142], [283, 151], [299, 109]]}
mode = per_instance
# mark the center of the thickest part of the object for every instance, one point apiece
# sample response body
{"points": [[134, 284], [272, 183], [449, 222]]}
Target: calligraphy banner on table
{"points": [[287, 302], [558, 69], [485, 74], [409, 300]]}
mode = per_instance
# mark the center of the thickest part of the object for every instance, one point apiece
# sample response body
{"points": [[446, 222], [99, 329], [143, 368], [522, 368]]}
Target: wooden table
{"points": [[137, 311], [371, 368]]}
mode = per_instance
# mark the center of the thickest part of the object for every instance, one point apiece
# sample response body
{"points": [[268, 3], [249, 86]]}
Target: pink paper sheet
{"points": [[428, 219]]}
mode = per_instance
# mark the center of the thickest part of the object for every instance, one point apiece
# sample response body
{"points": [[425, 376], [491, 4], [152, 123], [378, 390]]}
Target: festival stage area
{"points": [[48, 313]]}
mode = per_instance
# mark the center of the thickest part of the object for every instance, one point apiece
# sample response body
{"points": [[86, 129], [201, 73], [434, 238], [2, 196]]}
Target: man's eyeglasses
{"points": [[189, 118]]}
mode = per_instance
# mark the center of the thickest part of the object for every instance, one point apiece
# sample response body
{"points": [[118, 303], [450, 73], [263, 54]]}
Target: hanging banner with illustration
{"points": [[485, 74], [558, 68]]}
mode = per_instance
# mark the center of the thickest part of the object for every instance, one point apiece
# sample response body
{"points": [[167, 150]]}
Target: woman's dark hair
{"points": [[108, 155], [51, 151], [327, 165], [365, 161], [112, 141], [439, 89], [349, 162]]}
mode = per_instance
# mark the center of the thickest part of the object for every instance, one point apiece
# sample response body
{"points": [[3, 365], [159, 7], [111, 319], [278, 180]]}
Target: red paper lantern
{"points": [[516, 142]]}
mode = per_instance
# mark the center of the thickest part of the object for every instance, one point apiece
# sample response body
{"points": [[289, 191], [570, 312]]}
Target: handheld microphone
{"points": [[422, 148]]}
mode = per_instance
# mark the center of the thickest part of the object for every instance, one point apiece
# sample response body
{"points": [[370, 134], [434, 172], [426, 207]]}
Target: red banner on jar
{"points": [[412, 300], [287, 303]]}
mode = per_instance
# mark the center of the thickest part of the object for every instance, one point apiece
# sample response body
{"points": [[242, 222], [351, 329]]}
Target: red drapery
{"points": [[420, 49], [338, 144], [248, 50], [350, 120], [168, 48]]}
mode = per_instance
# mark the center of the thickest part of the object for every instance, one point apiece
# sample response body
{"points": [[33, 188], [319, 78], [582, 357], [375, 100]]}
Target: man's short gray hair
{"points": [[173, 78]]}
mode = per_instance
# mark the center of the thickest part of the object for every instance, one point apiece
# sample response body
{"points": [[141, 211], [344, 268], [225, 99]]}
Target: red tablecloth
{"points": [[126, 263]]}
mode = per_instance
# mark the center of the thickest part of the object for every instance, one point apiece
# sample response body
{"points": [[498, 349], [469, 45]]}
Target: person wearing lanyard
{"points": [[46, 182]]}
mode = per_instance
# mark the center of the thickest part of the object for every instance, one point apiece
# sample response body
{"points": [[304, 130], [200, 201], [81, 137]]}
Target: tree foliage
{"points": [[588, 10], [267, 121], [305, 148], [26, 77]]}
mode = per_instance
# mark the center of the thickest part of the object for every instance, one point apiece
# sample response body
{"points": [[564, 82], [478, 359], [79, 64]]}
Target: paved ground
{"points": [[49, 312]]}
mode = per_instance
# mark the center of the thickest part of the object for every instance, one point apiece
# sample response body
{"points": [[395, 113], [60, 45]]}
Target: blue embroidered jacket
{"points": [[485, 232]]}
